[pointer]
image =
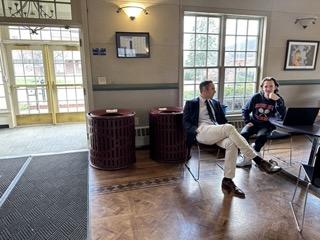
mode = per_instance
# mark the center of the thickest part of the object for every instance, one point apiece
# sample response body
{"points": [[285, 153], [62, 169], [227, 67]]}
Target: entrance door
{"points": [[48, 85]]}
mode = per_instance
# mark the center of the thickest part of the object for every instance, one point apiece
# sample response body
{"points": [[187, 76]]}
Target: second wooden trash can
{"points": [[167, 138], [112, 139]]}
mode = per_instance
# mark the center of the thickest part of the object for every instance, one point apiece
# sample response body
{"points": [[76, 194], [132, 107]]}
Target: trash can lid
{"points": [[106, 113], [166, 110]]}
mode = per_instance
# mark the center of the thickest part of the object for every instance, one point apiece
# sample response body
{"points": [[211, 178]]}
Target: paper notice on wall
{"points": [[136, 45]]}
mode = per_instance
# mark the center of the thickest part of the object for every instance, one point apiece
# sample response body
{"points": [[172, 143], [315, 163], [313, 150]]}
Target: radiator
{"points": [[239, 124], [142, 132], [142, 136]]}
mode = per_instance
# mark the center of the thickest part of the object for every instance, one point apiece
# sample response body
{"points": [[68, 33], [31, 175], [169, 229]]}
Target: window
{"points": [[47, 34], [47, 9], [68, 74], [233, 66], [29, 79], [200, 52]]}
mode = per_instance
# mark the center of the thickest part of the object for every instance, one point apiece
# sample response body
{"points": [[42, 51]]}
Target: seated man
{"points": [[205, 121], [263, 105]]}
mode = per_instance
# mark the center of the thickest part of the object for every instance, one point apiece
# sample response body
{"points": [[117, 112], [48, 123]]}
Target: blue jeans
{"points": [[261, 135]]}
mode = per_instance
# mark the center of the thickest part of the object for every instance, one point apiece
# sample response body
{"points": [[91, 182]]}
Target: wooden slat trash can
{"points": [[112, 138], [167, 137]]}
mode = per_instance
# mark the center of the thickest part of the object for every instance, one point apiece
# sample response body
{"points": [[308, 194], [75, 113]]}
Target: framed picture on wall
{"points": [[132, 45], [301, 55]]}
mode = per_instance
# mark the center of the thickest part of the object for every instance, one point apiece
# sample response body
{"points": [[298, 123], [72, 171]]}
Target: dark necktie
{"points": [[210, 111]]}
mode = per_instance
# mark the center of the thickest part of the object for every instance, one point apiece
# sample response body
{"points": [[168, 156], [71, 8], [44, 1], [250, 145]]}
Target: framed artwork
{"points": [[133, 45], [301, 55]]}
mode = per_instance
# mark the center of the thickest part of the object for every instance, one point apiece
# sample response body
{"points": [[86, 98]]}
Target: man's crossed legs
{"points": [[227, 137]]}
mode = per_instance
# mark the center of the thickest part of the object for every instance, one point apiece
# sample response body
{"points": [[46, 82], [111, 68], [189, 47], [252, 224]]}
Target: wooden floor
{"points": [[155, 201]]}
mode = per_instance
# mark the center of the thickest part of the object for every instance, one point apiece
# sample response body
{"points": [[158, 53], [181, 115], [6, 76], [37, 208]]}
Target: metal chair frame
{"points": [[268, 148], [198, 145], [308, 181]]}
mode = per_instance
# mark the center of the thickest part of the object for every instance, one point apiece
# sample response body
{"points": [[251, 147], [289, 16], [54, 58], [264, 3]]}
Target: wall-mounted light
{"points": [[306, 21], [132, 10]]}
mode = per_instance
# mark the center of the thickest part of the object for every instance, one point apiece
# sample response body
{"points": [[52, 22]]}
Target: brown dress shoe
{"points": [[229, 187], [268, 167]]}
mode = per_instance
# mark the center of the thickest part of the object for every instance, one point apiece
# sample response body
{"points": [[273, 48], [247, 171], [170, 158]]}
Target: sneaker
{"points": [[268, 167], [273, 162], [258, 153], [242, 161]]}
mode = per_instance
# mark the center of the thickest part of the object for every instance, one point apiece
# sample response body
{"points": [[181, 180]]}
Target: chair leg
{"points": [[305, 204], [290, 157], [199, 158], [198, 170], [267, 148], [196, 178], [295, 190], [299, 226]]}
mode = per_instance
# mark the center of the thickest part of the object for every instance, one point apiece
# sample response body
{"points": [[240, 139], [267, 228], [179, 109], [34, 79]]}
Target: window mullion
{"points": [[221, 58], [259, 54]]}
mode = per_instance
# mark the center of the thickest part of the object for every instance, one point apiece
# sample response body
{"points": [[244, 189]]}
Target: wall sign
{"points": [[99, 51]]}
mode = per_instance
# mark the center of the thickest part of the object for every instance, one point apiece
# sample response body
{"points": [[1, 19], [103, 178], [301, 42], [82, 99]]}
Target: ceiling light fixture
{"points": [[31, 9], [306, 21]]}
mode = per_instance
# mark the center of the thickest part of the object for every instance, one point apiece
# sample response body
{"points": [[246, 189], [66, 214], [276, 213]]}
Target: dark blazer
{"points": [[191, 117]]}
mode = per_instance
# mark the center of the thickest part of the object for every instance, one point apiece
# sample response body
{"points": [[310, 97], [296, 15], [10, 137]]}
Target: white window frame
{"points": [[220, 83]]}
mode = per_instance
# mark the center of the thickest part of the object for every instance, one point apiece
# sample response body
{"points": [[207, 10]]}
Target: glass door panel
{"points": [[47, 86], [29, 78], [68, 82]]}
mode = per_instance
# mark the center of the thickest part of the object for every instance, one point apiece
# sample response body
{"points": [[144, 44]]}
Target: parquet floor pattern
{"points": [[154, 201]]}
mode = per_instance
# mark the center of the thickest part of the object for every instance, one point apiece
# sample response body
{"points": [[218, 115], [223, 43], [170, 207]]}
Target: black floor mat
{"points": [[9, 168], [49, 201]]}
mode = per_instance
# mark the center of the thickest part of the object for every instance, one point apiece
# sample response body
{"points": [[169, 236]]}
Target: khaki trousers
{"points": [[227, 137]]}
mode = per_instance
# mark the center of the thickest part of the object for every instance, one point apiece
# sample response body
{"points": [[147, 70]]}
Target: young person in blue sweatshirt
{"points": [[256, 113]]}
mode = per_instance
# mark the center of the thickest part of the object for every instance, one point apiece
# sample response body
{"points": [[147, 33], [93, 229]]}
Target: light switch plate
{"points": [[102, 80]]}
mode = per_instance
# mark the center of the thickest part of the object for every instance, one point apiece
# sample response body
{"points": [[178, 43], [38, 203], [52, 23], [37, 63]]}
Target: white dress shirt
{"points": [[204, 118]]}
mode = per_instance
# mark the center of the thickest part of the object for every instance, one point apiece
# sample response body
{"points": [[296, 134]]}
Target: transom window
{"points": [[48, 9], [224, 49], [47, 34]]}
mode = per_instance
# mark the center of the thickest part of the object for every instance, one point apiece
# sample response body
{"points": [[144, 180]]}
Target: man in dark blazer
{"points": [[205, 122]]}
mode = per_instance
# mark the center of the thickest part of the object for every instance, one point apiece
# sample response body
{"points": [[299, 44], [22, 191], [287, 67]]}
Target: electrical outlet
{"points": [[108, 80], [136, 121], [102, 80]]}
